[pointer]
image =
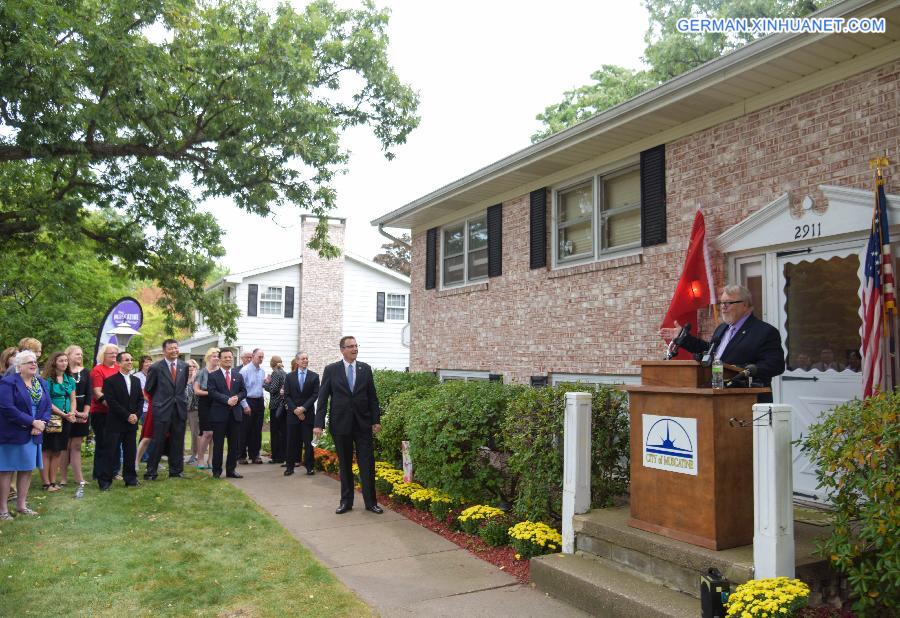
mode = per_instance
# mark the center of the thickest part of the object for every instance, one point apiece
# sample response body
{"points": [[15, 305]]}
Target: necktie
{"points": [[350, 376], [228, 380], [302, 379], [174, 371]]}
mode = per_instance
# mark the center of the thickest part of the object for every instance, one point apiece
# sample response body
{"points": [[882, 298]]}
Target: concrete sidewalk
{"points": [[391, 563]]}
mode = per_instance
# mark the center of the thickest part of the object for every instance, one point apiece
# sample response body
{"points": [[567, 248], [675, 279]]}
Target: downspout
{"points": [[394, 238]]}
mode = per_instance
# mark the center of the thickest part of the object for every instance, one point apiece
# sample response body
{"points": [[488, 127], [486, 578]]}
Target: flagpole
{"points": [[888, 347]]}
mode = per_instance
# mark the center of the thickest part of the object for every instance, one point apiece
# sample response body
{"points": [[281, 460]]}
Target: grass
{"points": [[178, 547]]}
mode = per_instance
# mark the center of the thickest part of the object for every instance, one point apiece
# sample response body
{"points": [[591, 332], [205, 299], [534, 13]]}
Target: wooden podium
{"points": [[705, 494]]}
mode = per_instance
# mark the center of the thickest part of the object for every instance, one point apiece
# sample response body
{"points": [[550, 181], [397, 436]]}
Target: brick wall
{"points": [[600, 318], [321, 297]]}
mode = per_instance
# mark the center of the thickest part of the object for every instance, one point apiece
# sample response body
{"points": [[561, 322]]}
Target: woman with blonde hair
{"points": [[79, 429], [99, 410], [211, 363]]}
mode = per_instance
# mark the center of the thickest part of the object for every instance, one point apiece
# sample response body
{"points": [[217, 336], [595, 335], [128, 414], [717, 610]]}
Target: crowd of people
{"points": [[140, 411]]}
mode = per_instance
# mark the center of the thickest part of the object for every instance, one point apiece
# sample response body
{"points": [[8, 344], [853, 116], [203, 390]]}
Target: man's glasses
{"points": [[725, 303]]}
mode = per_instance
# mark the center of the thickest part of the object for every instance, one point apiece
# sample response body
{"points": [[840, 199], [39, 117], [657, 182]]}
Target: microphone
{"points": [[707, 359], [748, 372], [678, 341]]}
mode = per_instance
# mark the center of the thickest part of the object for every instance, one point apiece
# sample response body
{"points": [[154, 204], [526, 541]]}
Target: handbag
{"points": [[54, 425]]}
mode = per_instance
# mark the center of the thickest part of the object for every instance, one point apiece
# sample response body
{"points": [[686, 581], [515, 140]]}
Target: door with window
{"points": [[818, 294]]}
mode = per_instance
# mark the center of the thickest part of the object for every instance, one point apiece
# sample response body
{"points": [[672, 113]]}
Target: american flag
{"points": [[878, 293]]}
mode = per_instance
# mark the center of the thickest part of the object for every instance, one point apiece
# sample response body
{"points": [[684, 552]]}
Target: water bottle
{"points": [[315, 441], [718, 374]]}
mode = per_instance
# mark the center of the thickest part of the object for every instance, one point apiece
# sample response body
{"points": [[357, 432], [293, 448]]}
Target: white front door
{"points": [[819, 318]]}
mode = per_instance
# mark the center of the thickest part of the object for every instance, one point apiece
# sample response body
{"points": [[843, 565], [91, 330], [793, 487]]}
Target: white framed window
{"points": [[395, 307], [449, 375], [597, 216], [464, 255], [271, 301]]}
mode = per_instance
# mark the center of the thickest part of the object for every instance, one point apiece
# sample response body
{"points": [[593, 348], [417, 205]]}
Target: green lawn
{"points": [[178, 547]]}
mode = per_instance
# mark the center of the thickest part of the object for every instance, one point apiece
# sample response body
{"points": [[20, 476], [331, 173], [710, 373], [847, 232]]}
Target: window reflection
{"points": [[822, 307]]}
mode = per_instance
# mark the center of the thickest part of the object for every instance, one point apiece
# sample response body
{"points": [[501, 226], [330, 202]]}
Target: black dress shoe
{"points": [[257, 460], [234, 475], [288, 471], [104, 486], [343, 509], [149, 477], [217, 475], [135, 484], [176, 475], [310, 472], [375, 509]]}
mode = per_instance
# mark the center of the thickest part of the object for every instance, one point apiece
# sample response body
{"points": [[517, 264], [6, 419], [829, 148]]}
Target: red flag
{"points": [[695, 289]]}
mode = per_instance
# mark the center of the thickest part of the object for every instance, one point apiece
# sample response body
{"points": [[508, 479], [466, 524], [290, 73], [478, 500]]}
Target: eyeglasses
{"points": [[725, 303]]}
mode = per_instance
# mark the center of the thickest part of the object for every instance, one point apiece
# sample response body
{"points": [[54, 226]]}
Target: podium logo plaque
{"points": [[670, 443]]}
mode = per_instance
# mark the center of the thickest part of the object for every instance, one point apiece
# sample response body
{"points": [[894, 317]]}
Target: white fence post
{"points": [[576, 496], [773, 492]]}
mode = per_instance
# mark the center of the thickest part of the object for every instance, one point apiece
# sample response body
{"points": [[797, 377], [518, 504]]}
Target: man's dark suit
{"points": [[350, 421], [300, 431], [169, 399], [226, 420], [756, 343], [119, 432]]}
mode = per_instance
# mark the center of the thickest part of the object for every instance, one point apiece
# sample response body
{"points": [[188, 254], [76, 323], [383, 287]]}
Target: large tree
{"points": [[120, 116], [668, 53]]}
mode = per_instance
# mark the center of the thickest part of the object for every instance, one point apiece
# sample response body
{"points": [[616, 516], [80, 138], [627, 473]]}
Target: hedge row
{"points": [[487, 442]]}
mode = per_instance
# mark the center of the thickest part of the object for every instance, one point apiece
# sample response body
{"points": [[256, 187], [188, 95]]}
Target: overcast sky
{"points": [[483, 71]]}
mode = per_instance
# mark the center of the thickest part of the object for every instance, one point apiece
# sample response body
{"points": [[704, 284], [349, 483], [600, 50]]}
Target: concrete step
{"points": [[600, 588], [605, 533]]}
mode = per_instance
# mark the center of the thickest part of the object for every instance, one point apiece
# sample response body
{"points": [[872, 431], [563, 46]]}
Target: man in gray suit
{"points": [[167, 386]]}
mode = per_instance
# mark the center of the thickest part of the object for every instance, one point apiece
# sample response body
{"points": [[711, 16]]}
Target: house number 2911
{"points": [[807, 231]]}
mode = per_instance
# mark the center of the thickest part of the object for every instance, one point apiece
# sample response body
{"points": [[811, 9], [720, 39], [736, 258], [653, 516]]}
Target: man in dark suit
{"points": [[226, 390], [355, 415], [167, 384], [125, 399], [301, 389], [742, 339]]}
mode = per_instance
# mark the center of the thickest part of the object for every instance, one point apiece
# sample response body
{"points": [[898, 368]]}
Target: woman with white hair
{"points": [[24, 412]]}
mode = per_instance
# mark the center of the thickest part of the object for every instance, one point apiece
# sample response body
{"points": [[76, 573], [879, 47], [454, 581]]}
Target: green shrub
{"points": [[440, 509], [494, 532], [533, 435], [393, 423], [451, 433], [389, 383], [856, 450]]}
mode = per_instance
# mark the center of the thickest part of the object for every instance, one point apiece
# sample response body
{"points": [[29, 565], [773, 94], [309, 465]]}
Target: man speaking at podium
{"points": [[741, 339]]}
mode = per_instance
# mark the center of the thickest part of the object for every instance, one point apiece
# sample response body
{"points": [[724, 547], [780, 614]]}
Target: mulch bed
{"points": [[502, 557]]}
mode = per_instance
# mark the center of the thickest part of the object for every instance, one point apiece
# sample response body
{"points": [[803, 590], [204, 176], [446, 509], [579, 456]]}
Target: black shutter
{"points": [[495, 377], [409, 307], [430, 258], [539, 228], [379, 307], [288, 302], [653, 196], [495, 240], [538, 381], [252, 291]]}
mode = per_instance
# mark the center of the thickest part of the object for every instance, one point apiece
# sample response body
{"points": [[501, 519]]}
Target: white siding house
{"points": [[350, 295]]}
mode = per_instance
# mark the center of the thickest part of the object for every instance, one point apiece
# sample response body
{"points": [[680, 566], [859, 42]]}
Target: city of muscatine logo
{"points": [[669, 441]]}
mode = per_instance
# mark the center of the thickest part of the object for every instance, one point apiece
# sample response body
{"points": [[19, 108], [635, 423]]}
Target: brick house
{"points": [[558, 262]]}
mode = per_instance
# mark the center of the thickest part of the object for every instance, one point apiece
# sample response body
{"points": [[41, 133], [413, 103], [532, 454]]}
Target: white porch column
{"points": [[576, 496], [773, 492]]}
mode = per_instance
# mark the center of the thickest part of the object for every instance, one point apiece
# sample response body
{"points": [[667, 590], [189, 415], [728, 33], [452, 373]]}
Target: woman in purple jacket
{"points": [[24, 412]]}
